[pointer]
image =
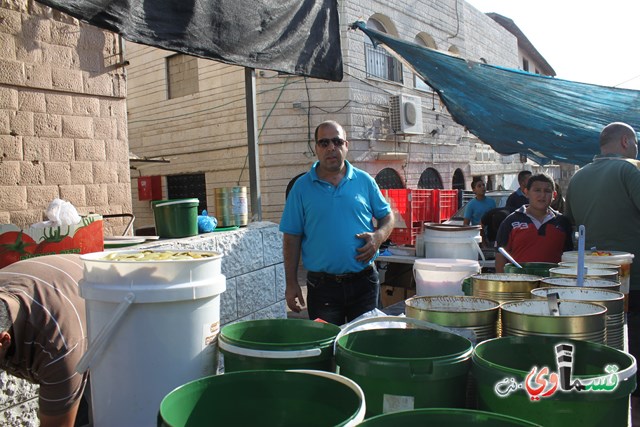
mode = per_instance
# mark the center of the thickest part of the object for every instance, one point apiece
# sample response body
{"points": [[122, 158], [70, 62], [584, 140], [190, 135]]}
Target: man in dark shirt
{"points": [[518, 198]]}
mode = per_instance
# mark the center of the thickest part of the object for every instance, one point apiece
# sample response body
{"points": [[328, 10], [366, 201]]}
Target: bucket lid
{"points": [[447, 264]]}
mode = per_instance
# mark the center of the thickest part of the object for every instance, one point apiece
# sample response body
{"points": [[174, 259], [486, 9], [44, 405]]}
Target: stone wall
{"points": [[63, 129]]}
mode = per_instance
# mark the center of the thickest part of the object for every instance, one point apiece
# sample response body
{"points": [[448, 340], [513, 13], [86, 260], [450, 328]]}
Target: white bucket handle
{"points": [[269, 354], [465, 333], [100, 341], [477, 246], [359, 417]]}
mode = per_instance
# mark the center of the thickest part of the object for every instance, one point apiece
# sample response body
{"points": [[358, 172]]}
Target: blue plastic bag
{"points": [[206, 223]]}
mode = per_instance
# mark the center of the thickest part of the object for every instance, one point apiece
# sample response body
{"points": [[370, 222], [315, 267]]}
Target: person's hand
{"points": [[370, 247], [294, 297]]}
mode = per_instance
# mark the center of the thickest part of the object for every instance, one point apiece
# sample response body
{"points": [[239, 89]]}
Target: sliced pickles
{"points": [[149, 255]]}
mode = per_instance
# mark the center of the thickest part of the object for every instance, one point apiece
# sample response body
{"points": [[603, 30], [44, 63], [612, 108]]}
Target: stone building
{"points": [[63, 128], [191, 112]]}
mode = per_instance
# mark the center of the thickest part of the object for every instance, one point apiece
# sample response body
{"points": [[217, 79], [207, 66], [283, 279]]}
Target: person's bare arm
{"points": [[501, 261], [373, 240], [291, 245]]}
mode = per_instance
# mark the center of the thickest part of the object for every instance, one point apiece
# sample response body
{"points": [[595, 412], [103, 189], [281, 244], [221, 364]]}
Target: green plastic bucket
{"points": [[176, 218], [278, 344], [404, 369], [501, 366], [536, 268], [444, 417], [265, 398]]}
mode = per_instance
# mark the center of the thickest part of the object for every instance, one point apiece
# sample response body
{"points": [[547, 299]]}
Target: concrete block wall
{"points": [[63, 128], [253, 267]]}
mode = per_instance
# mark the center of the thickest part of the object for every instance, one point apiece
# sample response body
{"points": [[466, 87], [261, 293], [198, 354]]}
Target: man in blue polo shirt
{"points": [[328, 216]]}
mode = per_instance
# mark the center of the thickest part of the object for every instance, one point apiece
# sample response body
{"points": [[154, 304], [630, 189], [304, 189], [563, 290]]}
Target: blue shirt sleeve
{"points": [[379, 205], [292, 221]]}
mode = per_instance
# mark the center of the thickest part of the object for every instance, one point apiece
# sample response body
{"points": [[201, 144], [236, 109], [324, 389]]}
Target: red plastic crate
{"points": [[413, 205], [445, 204], [405, 236]]}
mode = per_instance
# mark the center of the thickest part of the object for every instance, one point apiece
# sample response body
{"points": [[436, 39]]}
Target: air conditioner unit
{"points": [[406, 114]]}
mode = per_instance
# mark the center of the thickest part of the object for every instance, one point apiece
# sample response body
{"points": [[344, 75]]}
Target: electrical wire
{"points": [[264, 123]]}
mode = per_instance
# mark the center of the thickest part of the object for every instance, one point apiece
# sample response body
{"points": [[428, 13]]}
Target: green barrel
{"points": [[278, 344], [264, 398], [536, 268], [403, 369], [501, 366], [176, 218], [444, 417]]}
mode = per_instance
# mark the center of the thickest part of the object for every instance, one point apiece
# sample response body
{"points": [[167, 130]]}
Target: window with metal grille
{"points": [[388, 179], [182, 75], [382, 65], [430, 178], [187, 187], [378, 62]]}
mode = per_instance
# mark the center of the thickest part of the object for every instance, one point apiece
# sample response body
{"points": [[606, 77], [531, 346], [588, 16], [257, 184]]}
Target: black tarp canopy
{"points": [[299, 37]]}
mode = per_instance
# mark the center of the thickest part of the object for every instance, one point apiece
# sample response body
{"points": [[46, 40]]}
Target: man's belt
{"points": [[343, 277]]}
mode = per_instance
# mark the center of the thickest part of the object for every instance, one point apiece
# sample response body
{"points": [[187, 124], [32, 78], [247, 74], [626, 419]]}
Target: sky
{"points": [[585, 41]]}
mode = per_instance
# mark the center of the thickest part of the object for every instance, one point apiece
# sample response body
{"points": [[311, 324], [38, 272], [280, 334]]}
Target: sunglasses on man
{"points": [[337, 142]]}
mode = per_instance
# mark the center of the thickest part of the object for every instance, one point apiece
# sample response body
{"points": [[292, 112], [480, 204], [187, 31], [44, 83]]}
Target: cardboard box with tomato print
{"points": [[85, 237]]}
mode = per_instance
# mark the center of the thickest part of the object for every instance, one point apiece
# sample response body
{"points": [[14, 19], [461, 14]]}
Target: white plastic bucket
{"points": [[152, 326], [442, 276], [623, 259], [453, 242]]}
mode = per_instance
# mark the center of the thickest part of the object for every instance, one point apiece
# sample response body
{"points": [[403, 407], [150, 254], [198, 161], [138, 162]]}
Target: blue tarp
{"points": [[515, 111]]}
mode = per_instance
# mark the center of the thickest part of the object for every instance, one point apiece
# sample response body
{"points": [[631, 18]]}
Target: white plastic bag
{"points": [[60, 212]]}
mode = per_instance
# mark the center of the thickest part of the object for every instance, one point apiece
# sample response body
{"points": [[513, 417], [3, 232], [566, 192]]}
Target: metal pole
{"points": [[252, 143]]}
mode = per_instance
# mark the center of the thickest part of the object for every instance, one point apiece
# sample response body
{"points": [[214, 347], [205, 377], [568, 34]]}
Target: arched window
{"points": [[430, 178], [458, 184], [423, 39], [388, 179], [454, 50], [378, 62], [458, 180]]}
